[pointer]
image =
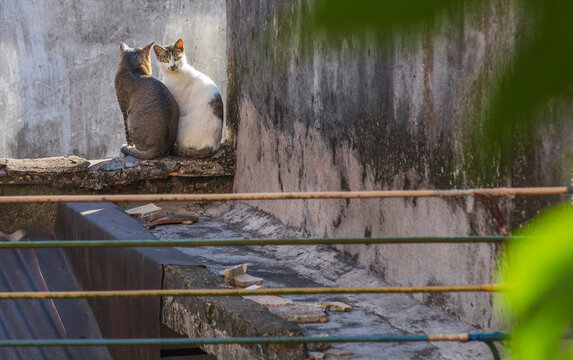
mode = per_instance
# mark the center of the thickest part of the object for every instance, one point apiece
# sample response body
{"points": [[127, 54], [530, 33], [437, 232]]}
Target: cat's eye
{"points": [[177, 58], [165, 60]]}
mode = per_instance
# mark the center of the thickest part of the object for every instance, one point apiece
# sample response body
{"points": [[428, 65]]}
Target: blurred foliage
{"points": [[539, 70], [541, 274], [383, 16]]}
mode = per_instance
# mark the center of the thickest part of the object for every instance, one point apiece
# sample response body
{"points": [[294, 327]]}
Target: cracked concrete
{"points": [[314, 265]]}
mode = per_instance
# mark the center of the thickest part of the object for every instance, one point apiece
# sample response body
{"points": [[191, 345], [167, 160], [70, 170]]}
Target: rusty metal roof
{"points": [[42, 270]]}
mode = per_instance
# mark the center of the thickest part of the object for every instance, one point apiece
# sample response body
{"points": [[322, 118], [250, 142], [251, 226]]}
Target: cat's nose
{"points": [[172, 68]]}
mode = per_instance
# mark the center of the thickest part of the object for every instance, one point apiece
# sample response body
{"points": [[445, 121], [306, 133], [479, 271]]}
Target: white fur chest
{"points": [[191, 88]]}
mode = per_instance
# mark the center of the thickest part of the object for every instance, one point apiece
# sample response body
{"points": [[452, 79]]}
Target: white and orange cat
{"points": [[200, 104]]}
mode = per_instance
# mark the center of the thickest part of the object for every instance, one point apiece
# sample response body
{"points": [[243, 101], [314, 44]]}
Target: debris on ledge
{"points": [[147, 212], [237, 276]]}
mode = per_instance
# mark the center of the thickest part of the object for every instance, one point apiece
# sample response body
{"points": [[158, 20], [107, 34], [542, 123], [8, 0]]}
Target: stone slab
{"points": [[52, 165], [269, 300], [246, 280], [300, 313], [336, 306], [146, 212]]}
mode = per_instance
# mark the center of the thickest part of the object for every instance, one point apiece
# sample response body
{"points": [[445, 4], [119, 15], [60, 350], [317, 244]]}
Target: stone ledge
{"points": [[73, 171], [224, 317], [72, 175]]}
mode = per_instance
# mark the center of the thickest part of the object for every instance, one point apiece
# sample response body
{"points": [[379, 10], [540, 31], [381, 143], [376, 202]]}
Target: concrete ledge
{"points": [[76, 172], [155, 268], [75, 175]]}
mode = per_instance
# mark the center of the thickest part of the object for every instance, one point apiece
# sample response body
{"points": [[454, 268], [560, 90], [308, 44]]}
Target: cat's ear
{"points": [[123, 47], [179, 45], [147, 49], [159, 50]]}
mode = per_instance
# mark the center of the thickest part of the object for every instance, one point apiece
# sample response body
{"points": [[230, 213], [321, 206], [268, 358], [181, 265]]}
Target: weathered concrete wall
{"points": [[59, 60], [363, 113]]}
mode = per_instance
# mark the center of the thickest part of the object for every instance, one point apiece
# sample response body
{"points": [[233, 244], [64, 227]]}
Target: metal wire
{"points": [[249, 242], [241, 292], [251, 340], [493, 350], [504, 191], [487, 338]]}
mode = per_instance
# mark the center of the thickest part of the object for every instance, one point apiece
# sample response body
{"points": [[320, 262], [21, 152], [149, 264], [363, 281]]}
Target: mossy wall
{"points": [[364, 112]]}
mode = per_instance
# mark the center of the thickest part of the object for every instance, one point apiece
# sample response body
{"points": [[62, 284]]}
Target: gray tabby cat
{"points": [[150, 112]]}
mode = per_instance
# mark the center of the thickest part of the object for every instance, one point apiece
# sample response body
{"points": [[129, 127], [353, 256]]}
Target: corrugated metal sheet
{"points": [[42, 270]]}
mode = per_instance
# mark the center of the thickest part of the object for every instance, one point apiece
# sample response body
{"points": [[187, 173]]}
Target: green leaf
{"points": [[540, 273]]}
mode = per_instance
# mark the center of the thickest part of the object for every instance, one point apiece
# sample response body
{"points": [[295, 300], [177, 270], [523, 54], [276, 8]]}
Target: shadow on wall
{"points": [[56, 85]]}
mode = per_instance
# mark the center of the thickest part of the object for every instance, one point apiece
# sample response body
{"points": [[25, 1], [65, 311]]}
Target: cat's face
{"points": [[171, 58], [136, 59]]}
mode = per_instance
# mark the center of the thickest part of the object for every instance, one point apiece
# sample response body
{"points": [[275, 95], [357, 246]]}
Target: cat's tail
{"points": [[194, 153], [148, 154]]}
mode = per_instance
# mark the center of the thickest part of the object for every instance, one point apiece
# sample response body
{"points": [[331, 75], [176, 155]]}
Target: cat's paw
{"points": [[124, 150]]}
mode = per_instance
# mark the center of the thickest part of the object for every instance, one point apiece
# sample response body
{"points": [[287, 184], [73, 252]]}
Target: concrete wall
{"points": [[364, 113], [59, 59]]}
